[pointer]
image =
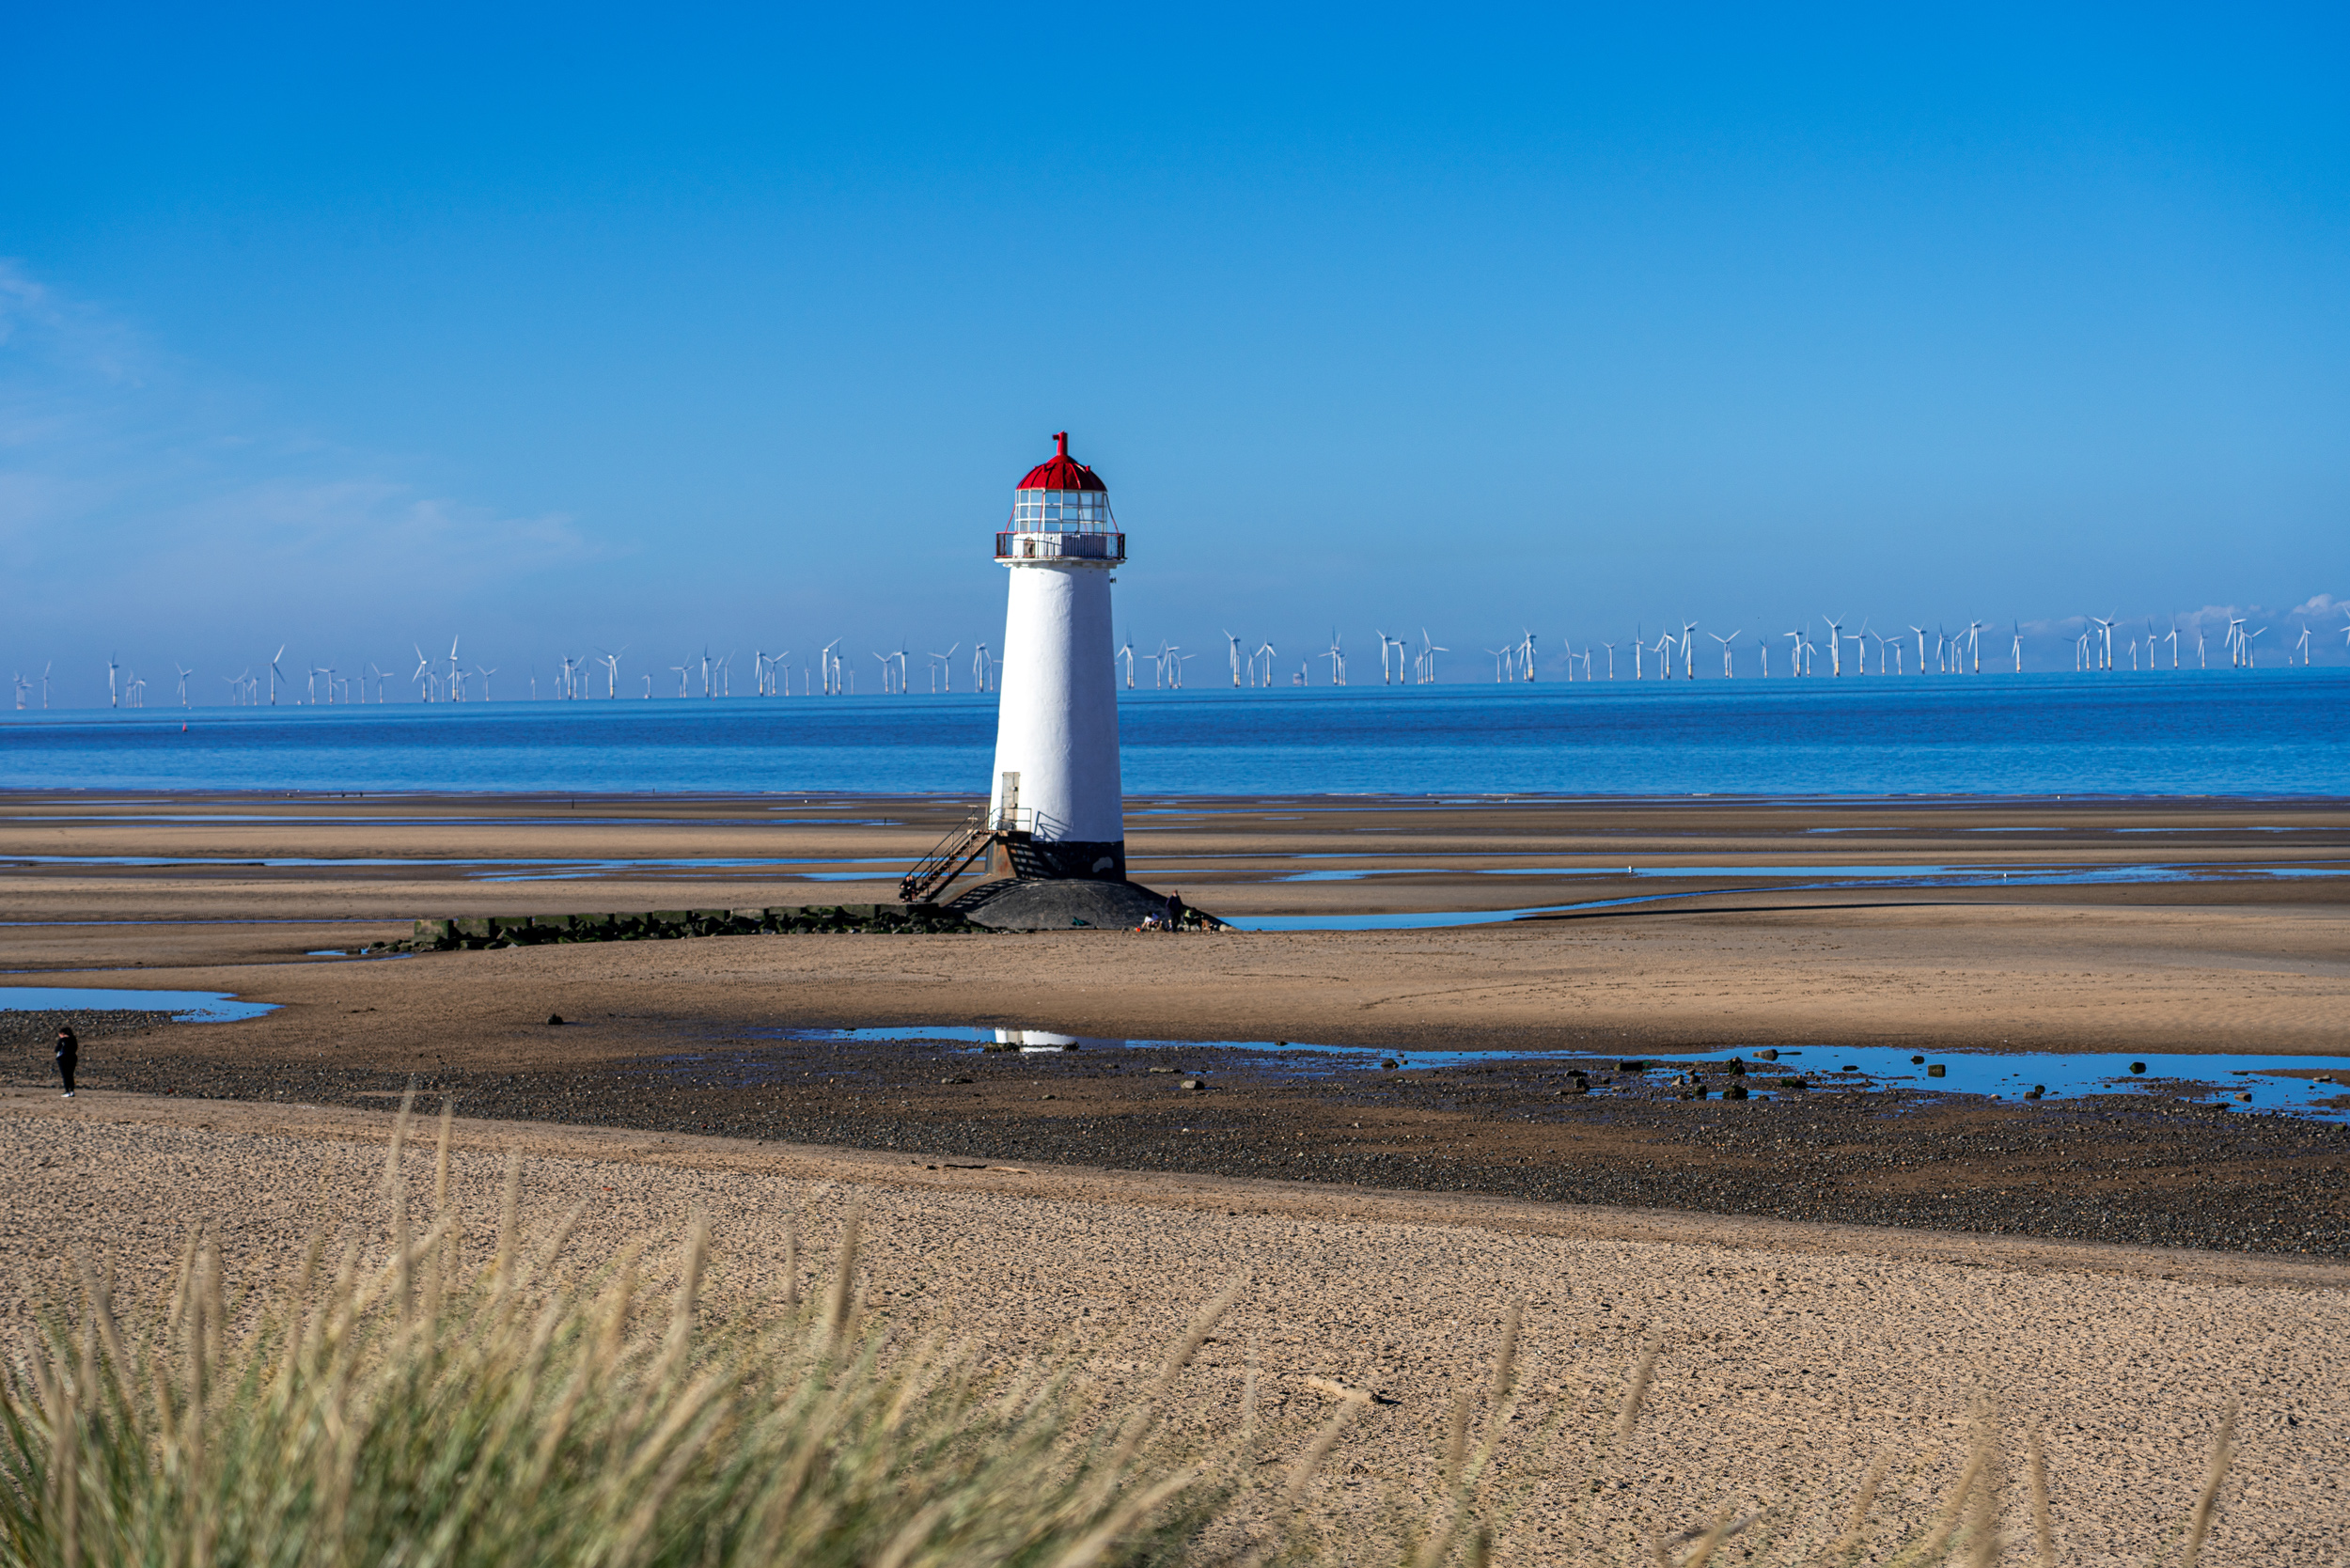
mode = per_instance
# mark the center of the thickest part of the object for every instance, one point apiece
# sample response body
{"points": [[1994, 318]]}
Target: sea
{"points": [[2249, 733]]}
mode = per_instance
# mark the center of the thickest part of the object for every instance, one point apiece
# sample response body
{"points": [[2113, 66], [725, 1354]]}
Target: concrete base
{"points": [[1025, 859]]}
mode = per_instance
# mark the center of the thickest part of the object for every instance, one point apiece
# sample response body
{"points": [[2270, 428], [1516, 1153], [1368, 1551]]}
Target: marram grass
{"points": [[417, 1413], [409, 1414]]}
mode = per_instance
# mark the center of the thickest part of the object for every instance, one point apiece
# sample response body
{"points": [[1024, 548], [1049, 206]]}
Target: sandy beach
{"points": [[1792, 1354], [1830, 1277]]}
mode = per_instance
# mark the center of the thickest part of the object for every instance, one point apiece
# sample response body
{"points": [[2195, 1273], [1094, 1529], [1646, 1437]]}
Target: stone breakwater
{"points": [[520, 930]]}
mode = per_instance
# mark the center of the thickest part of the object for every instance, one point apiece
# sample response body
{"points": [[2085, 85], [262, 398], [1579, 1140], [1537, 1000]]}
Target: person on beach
{"points": [[1174, 918], [69, 1047]]}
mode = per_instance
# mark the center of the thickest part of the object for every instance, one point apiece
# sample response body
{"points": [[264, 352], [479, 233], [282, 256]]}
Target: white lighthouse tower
{"points": [[1056, 808]]}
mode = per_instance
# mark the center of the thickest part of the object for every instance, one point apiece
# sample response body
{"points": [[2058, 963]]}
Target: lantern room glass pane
{"points": [[1060, 512]]}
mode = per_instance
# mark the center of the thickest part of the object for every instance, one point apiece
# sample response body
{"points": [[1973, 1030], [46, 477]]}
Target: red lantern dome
{"points": [[1062, 472]]}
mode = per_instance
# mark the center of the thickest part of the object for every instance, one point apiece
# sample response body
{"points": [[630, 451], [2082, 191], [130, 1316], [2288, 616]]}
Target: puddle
{"points": [[2006, 1075], [185, 1007], [1840, 879], [497, 871], [1831, 876]]}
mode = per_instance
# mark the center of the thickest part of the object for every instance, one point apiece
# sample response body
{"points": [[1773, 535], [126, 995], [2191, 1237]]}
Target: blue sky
{"points": [[579, 326]]}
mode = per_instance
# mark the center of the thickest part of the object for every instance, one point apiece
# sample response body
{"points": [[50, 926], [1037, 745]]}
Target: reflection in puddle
{"points": [[2004, 1076]]}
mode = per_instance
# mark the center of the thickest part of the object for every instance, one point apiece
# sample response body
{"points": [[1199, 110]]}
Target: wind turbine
{"points": [[1266, 651], [1611, 659], [1726, 672], [1337, 656], [980, 669], [2019, 646], [1835, 646], [611, 663], [275, 674], [1235, 646], [113, 699], [1126, 651], [185, 672], [456, 674], [1526, 652], [1921, 647], [46, 666], [485, 675], [1428, 652], [943, 662]]}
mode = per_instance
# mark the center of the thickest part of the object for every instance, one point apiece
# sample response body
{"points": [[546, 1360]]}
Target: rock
{"points": [[2244, 1094], [1632, 1067], [1793, 1083], [954, 1080], [1735, 1091], [1917, 1061], [1061, 906], [2137, 1067], [554, 1019], [1193, 1085], [1737, 1069], [1938, 1070], [1388, 1066], [1166, 1070], [1767, 1055]]}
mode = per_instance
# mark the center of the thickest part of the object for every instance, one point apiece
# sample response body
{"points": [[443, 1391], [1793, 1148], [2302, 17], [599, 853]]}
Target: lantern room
{"points": [[1062, 512]]}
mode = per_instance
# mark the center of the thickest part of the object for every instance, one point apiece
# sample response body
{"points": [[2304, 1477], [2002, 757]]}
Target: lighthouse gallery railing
{"points": [[1027, 546]]}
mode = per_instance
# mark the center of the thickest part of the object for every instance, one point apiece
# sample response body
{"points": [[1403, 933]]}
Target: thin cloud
{"points": [[127, 474]]}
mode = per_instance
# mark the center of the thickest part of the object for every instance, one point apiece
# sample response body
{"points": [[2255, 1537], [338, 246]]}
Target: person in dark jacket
{"points": [[69, 1047]]}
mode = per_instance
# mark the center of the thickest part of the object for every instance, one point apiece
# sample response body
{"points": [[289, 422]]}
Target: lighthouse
{"points": [[1055, 808]]}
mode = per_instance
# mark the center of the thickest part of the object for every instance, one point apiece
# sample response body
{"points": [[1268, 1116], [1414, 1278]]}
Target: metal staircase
{"points": [[951, 859]]}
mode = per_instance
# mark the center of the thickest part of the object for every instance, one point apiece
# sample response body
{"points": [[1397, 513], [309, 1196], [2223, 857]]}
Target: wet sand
{"points": [[2235, 954], [690, 1035]]}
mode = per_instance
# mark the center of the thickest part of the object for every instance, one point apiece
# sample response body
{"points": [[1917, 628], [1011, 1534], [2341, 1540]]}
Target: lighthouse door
{"points": [[1008, 810]]}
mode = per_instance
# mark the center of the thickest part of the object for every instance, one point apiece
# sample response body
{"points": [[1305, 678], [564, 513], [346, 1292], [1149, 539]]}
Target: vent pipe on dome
{"points": [[1061, 439]]}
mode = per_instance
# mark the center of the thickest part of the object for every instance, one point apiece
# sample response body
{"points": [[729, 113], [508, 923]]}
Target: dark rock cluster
{"points": [[516, 931]]}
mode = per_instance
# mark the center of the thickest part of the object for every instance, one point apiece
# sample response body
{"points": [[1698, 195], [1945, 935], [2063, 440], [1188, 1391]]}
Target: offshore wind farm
{"points": [[2309, 635]]}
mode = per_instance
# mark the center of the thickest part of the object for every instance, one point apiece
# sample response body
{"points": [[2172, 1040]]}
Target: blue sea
{"points": [[2270, 732]]}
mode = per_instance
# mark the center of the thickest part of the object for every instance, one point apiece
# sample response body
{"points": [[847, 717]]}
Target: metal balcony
{"points": [[1027, 546]]}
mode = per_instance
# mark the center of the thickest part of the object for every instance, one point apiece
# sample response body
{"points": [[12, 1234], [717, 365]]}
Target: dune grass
{"points": [[427, 1411]]}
